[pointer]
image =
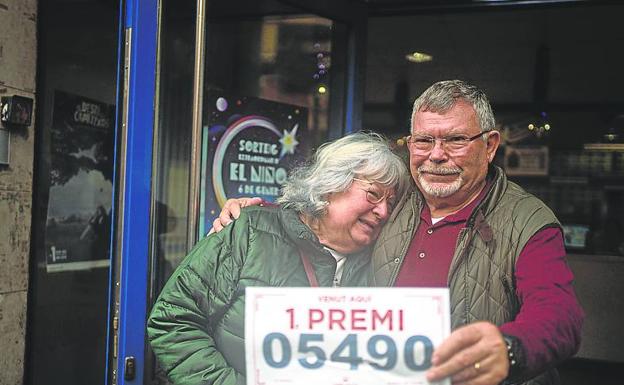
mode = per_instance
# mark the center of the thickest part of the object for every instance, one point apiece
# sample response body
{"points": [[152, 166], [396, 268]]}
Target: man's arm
{"points": [[474, 354], [231, 211], [548, 325]]}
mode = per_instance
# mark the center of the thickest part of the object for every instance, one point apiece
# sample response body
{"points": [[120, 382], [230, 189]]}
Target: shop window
{"points": [[553, 76]]}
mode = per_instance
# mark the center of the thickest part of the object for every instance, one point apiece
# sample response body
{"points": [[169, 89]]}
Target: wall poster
{"points": [[248, 147], [526, 160], [81, 168]]}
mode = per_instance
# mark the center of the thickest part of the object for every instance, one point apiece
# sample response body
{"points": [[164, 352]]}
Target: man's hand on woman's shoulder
{"points": [[231, 211]]}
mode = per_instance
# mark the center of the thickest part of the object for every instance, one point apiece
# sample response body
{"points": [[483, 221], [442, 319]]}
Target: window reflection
{"points": [[554, 80], [266, 102], [280, 63]]}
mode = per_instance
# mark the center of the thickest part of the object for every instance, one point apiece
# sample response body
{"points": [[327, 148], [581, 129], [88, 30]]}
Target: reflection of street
{"points": [[171, 241], [97, 223], [606, 239], [76, 239]]}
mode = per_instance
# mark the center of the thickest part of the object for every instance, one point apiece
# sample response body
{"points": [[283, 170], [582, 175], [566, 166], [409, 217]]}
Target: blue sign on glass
{"points": [[248, 147]]}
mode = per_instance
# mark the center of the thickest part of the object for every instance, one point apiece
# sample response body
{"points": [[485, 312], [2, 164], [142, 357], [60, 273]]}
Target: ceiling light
{"points": [[418, 57]]}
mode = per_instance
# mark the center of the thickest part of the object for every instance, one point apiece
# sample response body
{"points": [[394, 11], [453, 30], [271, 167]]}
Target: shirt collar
{"points": [[460, 216]]}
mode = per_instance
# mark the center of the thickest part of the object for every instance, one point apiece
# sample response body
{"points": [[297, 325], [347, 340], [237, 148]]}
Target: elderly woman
{"points": [[330, 211]]}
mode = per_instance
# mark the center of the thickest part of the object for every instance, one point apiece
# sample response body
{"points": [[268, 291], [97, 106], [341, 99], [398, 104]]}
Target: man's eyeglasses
{"points": [[374, 195], [451, 143]]}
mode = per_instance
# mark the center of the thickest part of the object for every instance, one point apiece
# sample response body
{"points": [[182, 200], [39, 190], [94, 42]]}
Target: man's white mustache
{"points": [[439, 170]]}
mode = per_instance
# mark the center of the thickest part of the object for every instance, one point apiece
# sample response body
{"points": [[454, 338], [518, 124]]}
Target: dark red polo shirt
{"points": [[430, 253], [543, 284]]}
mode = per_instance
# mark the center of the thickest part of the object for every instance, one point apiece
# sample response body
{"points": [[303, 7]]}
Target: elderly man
{"points": [[498, 248]]}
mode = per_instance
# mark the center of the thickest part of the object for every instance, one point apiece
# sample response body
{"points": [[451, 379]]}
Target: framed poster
{"points": [[248, 147], [526, 160], [77, 231]]}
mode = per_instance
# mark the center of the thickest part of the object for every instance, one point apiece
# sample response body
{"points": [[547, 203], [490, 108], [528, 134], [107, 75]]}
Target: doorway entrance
{"points": [[242, 91]]}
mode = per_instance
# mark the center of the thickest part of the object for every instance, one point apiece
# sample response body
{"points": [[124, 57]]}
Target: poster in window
{"points": [[526, 160], [81, 168], [248, 147]]}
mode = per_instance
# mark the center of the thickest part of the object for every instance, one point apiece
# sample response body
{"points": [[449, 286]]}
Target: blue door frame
{"points": [[134, 159]]}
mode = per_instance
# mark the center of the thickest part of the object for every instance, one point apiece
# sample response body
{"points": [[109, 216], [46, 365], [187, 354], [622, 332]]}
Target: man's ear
{"points": [[493, 141]]}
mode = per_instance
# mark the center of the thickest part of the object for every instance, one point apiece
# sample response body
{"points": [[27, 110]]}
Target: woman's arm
{"points": [[181, 323]]}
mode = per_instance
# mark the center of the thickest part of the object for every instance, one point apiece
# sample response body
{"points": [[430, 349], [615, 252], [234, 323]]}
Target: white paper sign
{"points": [[343, 336]]}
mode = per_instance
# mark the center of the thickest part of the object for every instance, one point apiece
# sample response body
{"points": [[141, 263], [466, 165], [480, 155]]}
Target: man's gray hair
{"points": [[333, 167], [442, 96]]}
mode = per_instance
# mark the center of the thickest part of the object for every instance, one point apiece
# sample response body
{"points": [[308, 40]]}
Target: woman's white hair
{"points": [[333, 167]]}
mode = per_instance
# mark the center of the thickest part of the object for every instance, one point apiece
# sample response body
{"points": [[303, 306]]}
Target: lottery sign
{"points": [[343, 336]]}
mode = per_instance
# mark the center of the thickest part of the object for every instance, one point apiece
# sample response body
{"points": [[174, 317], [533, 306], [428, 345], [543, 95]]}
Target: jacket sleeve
{"points": [[194, 298], [549, 322]]}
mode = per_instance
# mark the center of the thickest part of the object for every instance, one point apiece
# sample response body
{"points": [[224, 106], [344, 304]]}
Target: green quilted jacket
{"points": [[196, 327]]}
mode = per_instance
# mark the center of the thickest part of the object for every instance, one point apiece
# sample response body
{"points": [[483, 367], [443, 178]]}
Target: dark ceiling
{"points": [[403, 7], [345, 10]]}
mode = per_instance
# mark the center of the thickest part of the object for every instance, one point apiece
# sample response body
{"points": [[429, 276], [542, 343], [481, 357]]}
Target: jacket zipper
{"points": [[456, 263], [511, 297], [405, 247]]}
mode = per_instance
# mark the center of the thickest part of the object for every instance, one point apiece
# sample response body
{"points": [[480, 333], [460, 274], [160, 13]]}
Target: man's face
{"points": [[446, 172]]}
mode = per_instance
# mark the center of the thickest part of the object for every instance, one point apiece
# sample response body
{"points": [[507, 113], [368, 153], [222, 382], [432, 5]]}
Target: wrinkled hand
{"points": [[231, 211], [481, 343]]}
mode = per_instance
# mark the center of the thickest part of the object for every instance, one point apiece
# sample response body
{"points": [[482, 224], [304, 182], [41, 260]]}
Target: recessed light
{"points": [[418, 57]]}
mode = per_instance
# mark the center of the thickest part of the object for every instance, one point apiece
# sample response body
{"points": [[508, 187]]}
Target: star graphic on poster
{"points": [[288, 141]]}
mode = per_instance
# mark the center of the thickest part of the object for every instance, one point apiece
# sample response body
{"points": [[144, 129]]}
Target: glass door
{"points": [[221, 98], [69, 276]]}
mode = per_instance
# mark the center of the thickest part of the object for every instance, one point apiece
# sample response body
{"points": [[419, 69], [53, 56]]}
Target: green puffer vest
{"points": [[196, 327], [481, 277]]}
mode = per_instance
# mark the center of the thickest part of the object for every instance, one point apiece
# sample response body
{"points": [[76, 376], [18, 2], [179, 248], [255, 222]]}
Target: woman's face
{"points": [[353, 221]]}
